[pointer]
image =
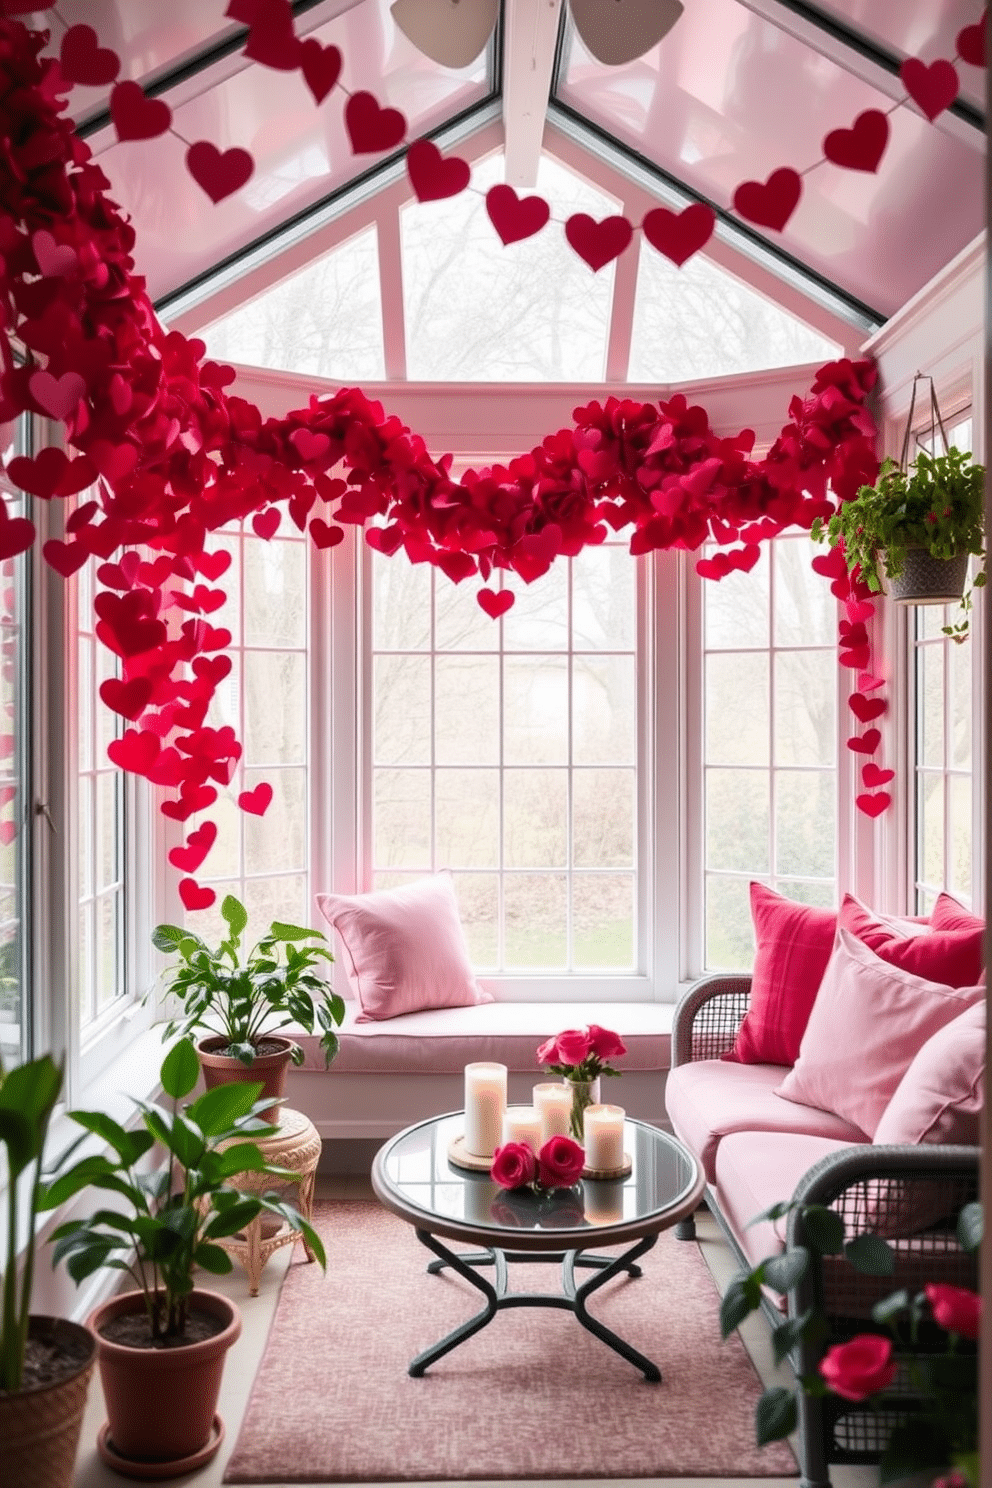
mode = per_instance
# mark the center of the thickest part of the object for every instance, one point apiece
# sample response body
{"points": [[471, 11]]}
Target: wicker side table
{"points": [[296, 1146]]}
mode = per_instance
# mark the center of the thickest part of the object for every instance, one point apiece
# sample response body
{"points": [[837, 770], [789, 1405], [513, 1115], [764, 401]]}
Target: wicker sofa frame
{"points": [[889, 1182]]}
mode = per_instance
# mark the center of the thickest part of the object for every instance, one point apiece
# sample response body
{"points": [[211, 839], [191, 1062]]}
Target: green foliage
{"points": [[27, 1099], [162, 1222], [247, 995]]}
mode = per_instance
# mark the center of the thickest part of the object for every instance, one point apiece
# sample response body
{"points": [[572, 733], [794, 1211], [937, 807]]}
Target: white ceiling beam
{"points": [[530, 37]]}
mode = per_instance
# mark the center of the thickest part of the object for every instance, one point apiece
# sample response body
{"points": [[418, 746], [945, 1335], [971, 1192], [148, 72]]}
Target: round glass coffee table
{"points": [[411, 1175]]}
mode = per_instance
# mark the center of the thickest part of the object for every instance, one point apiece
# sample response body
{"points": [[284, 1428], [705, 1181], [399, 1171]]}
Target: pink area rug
{"points": [[533, 1395]]}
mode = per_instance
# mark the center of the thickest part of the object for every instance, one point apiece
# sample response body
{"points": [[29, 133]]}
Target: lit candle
{"points": [[604, 1138], [554, 1106], [523, 1124], [485, 1102]]}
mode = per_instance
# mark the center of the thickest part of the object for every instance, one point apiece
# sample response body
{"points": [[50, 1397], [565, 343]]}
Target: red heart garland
{"points": [[867, 743], [309, 445], [971, 42], [16, 536], [189, 802], [198, 844], [678, 235], [135, 116], [51, 474], [862, 146], [598, 243], [57, 396], [873, 805], [831, 565], [82, 60], [273, 42], [515, 217], [219, 174], [136, 750], [496, 604], [866, 708], [872, 775], [432, 176], [325, 536], [321, 67], [256, 801], [266, 523], [65, 558], [856, 657], [212, 565], [934, 88], [372, 129], [193, 896], [770, 203], [868, 683], [130, 699]]}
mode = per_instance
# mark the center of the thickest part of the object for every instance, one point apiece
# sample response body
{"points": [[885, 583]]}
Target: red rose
{"points": [[548, 1052], [514, 1164], [604, 1044], [857, 1369], [559, 1163], [573, 1046], [955, 1308]]}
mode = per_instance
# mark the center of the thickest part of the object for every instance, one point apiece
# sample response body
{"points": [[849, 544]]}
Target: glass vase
{"points": [[584, 1093]]}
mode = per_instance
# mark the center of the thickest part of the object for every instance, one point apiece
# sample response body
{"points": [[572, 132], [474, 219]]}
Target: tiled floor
{"points": [[257, 1314]]}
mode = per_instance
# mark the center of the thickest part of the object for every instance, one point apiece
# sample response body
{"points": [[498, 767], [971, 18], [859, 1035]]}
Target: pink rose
{"points": [[573, 1046], [560, 1163], [857, 1369], [955, 1308], [604, 1044], [514, 1164], [548, 1052]]}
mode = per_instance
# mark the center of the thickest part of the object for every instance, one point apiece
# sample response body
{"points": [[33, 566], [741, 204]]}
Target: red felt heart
{"points": [[115, 462], [136, 750], [65, 558], [308, 444], [371, 128], [130, 699], [57, 396], [934, 88], [678, 235], [717, 567], [971, 42], [135, 116], [872, 775], [770, 203], [873, 805], [832, 565], [256, 801], [434, 176], [496, 604], [859, 609], [51, 474], [856, 657], [515, 217], [266, 523], [198, 844], [212, 565], [321, 67], [54, 260], [862, 146], [167, 769], [212, 669], [385, 539], [82, 516], [867, 743], [219, 172], [866, 708], [598, 243], [193, 896], [83, 60], [852, 634], [189, 802], [325, 536], [868, 683], [273, 42], [16, 536]]}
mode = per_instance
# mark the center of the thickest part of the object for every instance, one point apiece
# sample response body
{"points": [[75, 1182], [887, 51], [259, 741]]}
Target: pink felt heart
{"points": [[971, 42], [866, 708], [678, 235], [130, 699], [868, 683], [515, 217], [136, 750], [325, 536], [83, 60], [193, 896], [496, 604], [65, 558], [873, 775], [16, 536], [135, 116], [598, 243], [189, 857], [867, 743], [219, 173], [54, 260], [309, 445], [8, 831], [859, 609], [873, 805], [770, 203], [934, 88], [432, 175], [372, 129], [862, 146], [321, 67], [265, 523], [256, 801], [57, 396]]}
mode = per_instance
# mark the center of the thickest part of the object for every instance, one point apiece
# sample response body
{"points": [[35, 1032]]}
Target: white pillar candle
{"points": [[485, 1102], [604, 1138], [554, 1106], [523, 1124]]}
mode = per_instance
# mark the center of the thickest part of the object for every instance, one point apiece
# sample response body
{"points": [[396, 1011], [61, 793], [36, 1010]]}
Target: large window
{"points": [[15, 817]]}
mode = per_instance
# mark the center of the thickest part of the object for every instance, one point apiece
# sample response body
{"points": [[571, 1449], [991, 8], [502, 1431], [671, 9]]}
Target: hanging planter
{"points": [[927, 580]]}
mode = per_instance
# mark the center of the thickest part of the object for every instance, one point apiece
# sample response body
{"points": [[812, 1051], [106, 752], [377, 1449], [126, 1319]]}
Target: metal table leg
{"points": [[579, 1294]]}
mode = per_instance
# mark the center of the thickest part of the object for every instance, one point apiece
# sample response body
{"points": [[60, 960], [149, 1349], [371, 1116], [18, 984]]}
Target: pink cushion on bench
{"points": [[753, 1173], [941, 1096]]}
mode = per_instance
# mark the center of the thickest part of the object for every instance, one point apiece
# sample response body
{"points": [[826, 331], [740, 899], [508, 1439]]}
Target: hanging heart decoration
{"points": [[515, 217], [862, 146]]}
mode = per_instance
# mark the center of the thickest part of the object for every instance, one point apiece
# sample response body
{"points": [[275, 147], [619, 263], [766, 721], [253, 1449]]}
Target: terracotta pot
{"points": [[162, 1402], [928, 580], [270, 1069], [40, 1425]]}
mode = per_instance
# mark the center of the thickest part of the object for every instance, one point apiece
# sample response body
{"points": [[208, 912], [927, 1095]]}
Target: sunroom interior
{"points": [[603, 750]]}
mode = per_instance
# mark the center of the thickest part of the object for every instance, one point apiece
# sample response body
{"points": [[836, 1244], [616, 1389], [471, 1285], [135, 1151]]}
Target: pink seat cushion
{"points": [[793, 943], [755, 1172], [953, 957], [941, 1096], [869, 1020], [708, 1099], [404, 949]]}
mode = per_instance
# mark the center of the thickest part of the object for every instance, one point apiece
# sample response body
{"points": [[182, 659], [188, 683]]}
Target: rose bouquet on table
{"points": [[580, 1056], [558, 1164]]}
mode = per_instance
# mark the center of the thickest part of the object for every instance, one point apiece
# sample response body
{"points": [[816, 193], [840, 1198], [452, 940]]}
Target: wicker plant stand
{"points": [[296, 1146]]}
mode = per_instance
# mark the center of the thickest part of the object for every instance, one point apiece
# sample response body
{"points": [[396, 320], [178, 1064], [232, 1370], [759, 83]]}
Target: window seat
{"points": [[392, 1073]]}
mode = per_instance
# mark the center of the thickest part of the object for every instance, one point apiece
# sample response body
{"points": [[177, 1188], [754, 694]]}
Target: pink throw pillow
{"points": [[948, 914], [404, 949], [952, 957], [868, 1021], [941, 1096], [793, 943]]}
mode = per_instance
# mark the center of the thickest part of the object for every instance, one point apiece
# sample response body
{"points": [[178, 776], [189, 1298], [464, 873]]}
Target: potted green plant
{"points": [[243, 998], [917, 529], [161, 1348], [45, 1362]]}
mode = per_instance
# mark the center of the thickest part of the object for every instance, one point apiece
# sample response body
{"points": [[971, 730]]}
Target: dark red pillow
{"points": [[951, 957], [793, 943]]}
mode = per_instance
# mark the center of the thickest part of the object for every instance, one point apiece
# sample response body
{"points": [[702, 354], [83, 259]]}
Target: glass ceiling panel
{"points": [[915, 28], [326, 321], [700, 321], [479, 312], [727, 97]]}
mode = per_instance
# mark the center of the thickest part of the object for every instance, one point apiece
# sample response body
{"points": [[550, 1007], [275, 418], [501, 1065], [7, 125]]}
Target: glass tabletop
{"points": [[413, 1170]]}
